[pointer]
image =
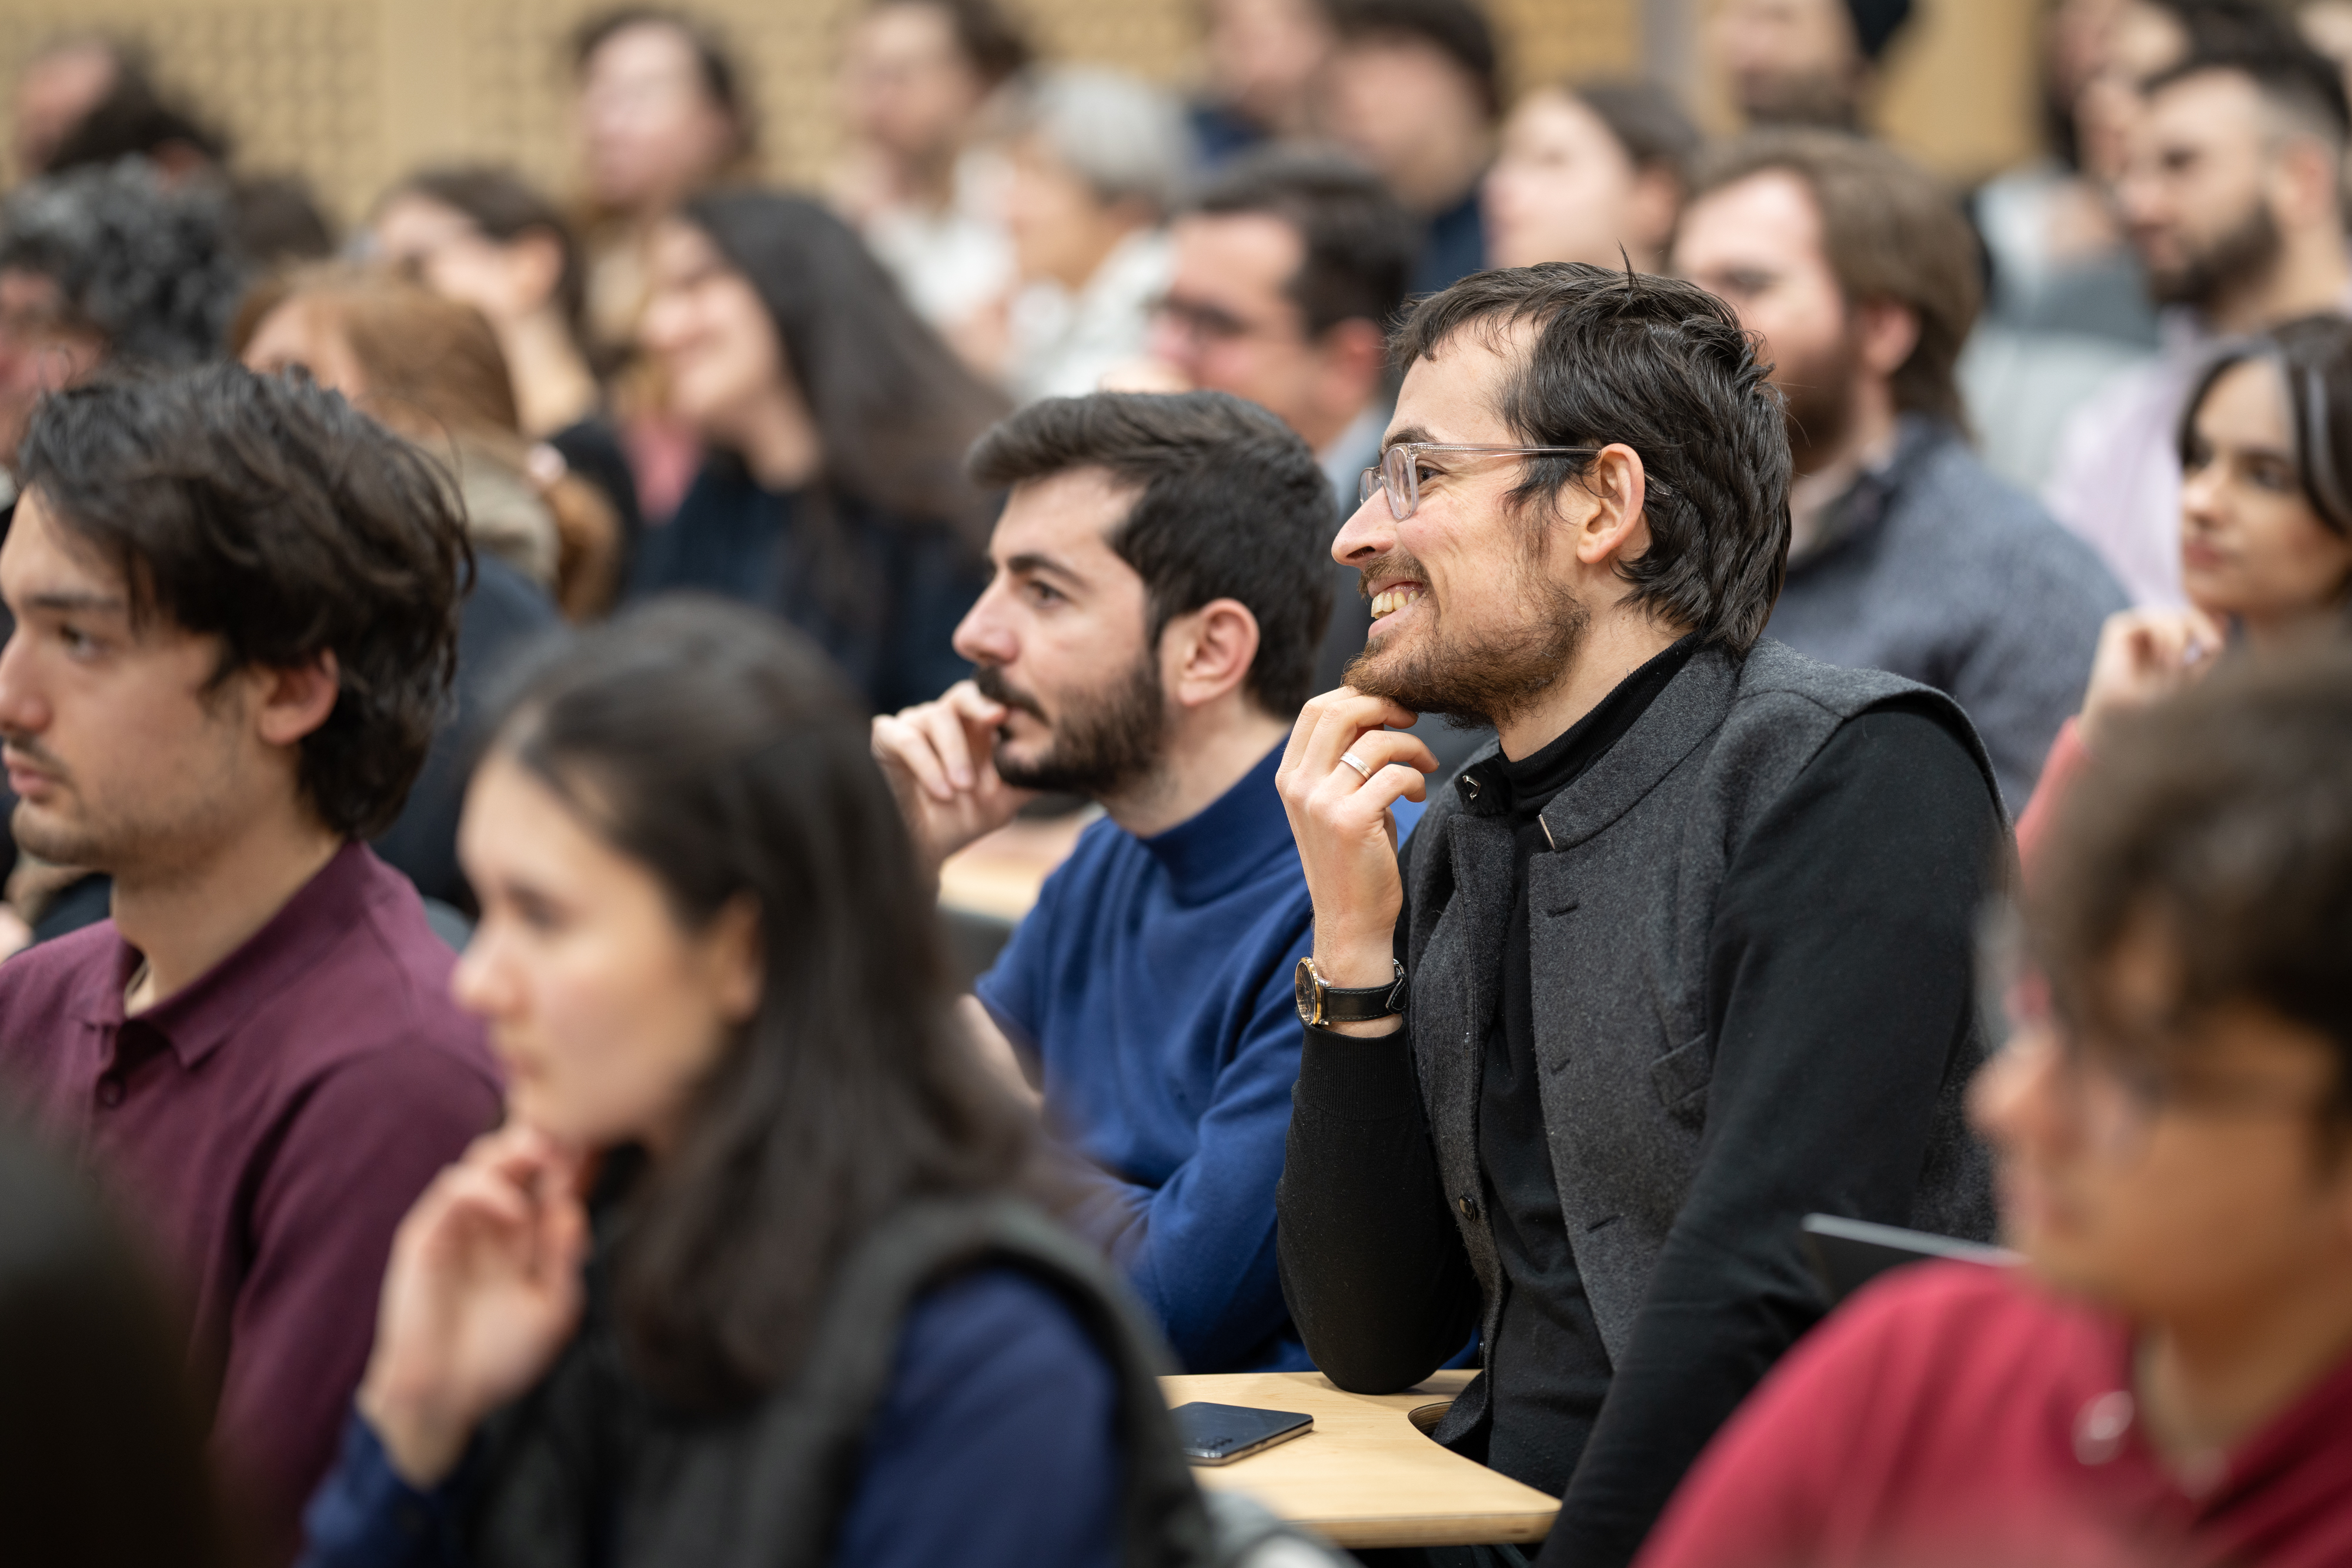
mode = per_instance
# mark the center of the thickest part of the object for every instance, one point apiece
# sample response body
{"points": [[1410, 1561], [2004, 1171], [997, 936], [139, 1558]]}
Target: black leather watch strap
{"points": [[1322, 1004]]}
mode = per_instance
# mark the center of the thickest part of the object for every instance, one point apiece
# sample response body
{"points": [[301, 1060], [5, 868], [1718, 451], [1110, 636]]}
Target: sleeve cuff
{"points": [[1356, 1077]]}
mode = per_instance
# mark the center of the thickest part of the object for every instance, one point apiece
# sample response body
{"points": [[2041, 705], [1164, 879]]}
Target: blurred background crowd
{"points": [[721, 296]]}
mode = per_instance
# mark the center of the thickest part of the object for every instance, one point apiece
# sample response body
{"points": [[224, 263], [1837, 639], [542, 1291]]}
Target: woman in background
{"points": [[431, 368], [485, 238], [836, 423], [800, 1314], [2265, 535], [1584, 170]]}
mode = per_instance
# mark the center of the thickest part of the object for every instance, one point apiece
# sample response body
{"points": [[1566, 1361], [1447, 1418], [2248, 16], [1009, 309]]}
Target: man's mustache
{"points": [[997, 689], [1395, 563], [33, 752]]}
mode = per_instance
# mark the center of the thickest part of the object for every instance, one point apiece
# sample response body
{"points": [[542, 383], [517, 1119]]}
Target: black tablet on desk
{"points": [[1847, 1254]]}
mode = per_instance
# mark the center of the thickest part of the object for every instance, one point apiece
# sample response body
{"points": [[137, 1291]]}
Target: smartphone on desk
{"points": [[1220, 1434]]}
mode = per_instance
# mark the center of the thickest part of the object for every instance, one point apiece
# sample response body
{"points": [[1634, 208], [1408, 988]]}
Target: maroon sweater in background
{"points": [[1957, 1415], [270, 1124]]}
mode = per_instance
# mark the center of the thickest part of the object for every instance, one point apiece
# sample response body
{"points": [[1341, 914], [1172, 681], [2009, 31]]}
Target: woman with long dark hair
{"points": [[838, 423], [2266, 534], [746, 1277]]}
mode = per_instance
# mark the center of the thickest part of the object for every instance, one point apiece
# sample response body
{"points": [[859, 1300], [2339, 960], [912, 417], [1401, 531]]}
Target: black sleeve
{"points": [[1372, 1267], [1840, 989]]}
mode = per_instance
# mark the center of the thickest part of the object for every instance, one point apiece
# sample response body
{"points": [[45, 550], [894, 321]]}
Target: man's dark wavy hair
{"points": [[1662, 366], [1230, 504], [268, 512]]}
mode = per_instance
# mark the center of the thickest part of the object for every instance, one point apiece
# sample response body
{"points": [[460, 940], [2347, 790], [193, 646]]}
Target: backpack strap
{"points": [[777, 1499]]}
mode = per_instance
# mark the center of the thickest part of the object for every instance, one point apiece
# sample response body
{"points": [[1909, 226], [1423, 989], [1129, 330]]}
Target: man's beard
{"points": [[1104, 742], [1819, 394], [1474, 677], [2248, 250]]}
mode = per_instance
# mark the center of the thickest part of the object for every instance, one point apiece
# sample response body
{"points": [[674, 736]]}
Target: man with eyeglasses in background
{"points": [[2168, 1379], [1686, 957], [1287, 272]]}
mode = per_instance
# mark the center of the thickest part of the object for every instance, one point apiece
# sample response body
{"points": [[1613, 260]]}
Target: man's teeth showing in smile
{"points": [[1388, 600]]}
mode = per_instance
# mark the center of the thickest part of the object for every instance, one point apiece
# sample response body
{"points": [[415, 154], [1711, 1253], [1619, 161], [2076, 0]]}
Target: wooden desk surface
{"points": [[1366, 1476]]}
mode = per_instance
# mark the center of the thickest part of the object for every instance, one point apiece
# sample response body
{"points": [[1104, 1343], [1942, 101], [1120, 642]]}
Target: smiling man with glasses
{"points": [[1684, 956], [2169, 1377]]}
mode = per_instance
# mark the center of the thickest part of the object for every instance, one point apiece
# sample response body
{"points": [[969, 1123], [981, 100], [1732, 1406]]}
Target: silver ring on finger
{"points": [[1358, 763]]}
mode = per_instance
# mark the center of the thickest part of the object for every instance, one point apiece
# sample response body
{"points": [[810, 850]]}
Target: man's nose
{"points": [[984, 636], [1370, 531], [21, 710]]}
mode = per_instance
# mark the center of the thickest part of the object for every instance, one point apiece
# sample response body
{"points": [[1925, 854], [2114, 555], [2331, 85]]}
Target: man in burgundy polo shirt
{"points": [[2168, 1379], [236, 623]]}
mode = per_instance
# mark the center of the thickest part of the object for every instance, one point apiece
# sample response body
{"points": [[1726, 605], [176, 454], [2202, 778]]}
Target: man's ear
{"points": [[1208, 651], [1615, 489], [1354, 353], [295, 700], [2304, 183], [1888, 331]]}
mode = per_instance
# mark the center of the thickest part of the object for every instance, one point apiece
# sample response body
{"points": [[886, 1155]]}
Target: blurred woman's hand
{"points": [[2145, 655], [482, 1292]]}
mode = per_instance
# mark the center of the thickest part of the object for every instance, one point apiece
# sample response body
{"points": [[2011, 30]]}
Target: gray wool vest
{"points": [[1620, 910]]}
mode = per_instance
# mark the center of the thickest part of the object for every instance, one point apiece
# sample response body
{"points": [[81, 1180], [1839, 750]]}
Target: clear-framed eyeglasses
{"points": [[1400, 469]]}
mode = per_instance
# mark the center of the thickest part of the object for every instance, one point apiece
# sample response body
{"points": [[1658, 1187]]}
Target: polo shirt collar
{"points": [[1229, 841], [197, 1018]]}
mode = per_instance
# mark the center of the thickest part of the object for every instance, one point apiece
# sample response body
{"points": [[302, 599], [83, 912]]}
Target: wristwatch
{"points": [[1321, 1004]]}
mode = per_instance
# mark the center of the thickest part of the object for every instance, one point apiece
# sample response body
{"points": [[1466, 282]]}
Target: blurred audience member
{"points": [[917, 79], [2068, 308], [1148, 636], [1097, 160], [1289, 268], [1804, 62], [2234, 196], [430, 368], [663, 111], [838, 424], [1263, 57], [1907, 554], [746, 1277], [1413, 89], [2327, 26], [2065, 306], [117, 111], [53, 92], [237, 604], [103, 265], [485, 237], [94, 1386], [2166, 1379], [1587, 169], [2265, 449]]}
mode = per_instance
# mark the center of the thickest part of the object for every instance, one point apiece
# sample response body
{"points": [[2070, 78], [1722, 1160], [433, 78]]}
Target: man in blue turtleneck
{"points": [[1150, 632]]}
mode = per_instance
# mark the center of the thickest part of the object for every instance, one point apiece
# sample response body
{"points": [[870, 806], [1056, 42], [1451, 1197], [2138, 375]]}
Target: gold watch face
{"points": [[1309, 992]]}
